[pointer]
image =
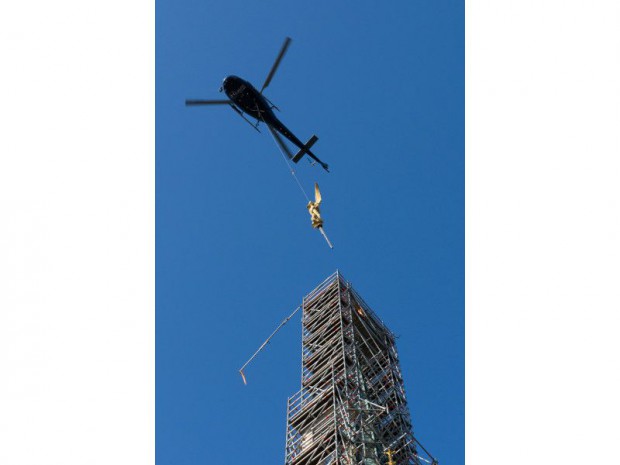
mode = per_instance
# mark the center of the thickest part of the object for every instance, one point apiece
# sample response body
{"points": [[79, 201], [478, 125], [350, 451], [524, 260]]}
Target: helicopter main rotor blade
{"points": [[274, 68], [207, 102]]}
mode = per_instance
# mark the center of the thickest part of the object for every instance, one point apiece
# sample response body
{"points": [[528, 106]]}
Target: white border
{"points": [[77, 232], [543, 231]]}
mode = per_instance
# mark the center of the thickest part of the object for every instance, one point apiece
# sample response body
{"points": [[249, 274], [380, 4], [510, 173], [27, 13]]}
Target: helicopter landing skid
{"points": [[272, 106], [255, 126]]}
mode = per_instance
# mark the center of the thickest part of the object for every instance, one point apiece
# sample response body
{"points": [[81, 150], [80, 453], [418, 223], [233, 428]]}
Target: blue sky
{"points": [[383, 88]]}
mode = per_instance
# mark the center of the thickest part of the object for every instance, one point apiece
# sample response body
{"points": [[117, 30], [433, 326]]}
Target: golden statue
{"points": [[314, 208]]}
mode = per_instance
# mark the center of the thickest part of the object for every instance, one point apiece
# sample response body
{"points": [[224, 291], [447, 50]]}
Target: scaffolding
{"points": [[351, 409]]}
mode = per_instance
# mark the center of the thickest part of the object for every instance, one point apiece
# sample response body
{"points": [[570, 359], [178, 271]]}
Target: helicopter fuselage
{"points": [[245, 96]]}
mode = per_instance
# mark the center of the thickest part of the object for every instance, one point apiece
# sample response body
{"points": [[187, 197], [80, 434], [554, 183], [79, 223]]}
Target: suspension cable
{"points": [[265, 343], [290, 168]]}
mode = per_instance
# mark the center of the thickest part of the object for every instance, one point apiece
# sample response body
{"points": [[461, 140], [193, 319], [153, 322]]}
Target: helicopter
{"points": [[243, 97]]}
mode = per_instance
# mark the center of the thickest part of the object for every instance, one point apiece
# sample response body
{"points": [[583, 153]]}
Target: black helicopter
{"points": [[244, 98]]}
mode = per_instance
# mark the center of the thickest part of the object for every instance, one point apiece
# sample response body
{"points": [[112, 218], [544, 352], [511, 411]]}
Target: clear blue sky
{"points": [[382, 85]]}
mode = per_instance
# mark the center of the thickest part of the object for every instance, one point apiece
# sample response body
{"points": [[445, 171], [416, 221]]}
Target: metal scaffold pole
{"points": [[265, 343]]}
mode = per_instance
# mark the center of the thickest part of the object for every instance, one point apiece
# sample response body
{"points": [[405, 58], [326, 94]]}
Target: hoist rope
{"points": [[286, 155], [286, 160]]}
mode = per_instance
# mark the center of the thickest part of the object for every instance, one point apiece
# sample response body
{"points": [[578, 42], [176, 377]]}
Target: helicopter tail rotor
{"points": [[305, 148]]}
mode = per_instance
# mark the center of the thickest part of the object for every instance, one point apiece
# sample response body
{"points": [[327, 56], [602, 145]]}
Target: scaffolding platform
{"points": [[351, 408]]}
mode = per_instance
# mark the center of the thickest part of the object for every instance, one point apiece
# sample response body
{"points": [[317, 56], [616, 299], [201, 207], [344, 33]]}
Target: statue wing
{"points": [[317, 194]]}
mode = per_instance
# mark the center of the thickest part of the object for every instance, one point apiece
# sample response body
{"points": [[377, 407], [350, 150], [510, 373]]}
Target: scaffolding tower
{"points": [[351, 409]]}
